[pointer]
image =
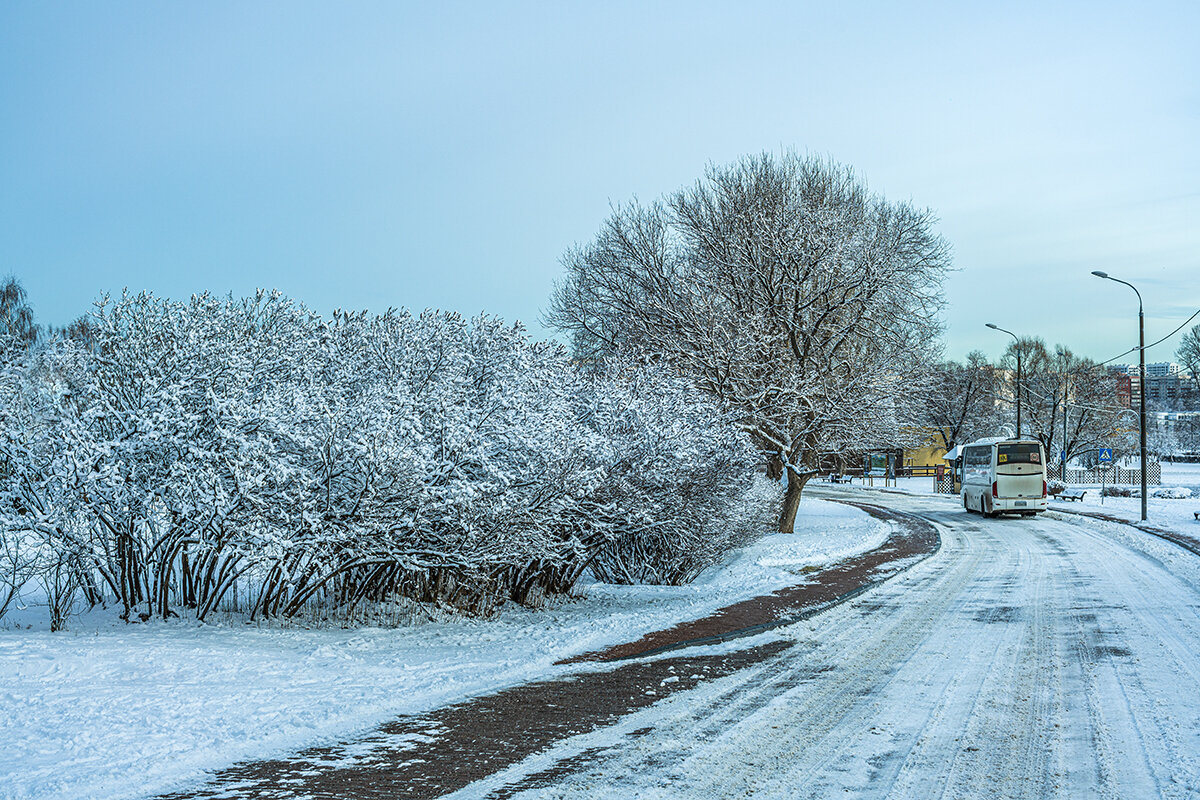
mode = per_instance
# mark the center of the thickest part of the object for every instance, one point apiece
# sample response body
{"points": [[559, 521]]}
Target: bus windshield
{"points": [[1019, 454]]}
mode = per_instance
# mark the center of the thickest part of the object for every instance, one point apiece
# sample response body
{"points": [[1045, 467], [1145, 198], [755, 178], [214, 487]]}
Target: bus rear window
{"points": [[1018, 454]]}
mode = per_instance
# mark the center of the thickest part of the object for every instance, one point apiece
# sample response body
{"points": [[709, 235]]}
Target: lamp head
{"points": [[990, 325], [1099, 273]]}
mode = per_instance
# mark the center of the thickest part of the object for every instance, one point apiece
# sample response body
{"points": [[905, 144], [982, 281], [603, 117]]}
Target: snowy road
{"points": [[1054, 657]]}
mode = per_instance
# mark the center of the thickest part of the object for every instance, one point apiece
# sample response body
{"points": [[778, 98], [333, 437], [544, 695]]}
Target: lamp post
{"points": [[1018, 341], [1066, 388], [1141, 375]]}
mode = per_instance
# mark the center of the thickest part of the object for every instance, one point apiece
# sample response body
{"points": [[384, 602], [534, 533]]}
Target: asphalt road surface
{"points": [[1028, 658]]}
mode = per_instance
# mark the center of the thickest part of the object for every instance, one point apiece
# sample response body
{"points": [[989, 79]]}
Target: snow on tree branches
{"points": [[781, 287], [247, 454]]}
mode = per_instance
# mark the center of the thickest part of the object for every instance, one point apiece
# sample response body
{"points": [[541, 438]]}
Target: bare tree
{"points": [[961, 401], [1189, 355], [16, 317], [1057, 382], [782, 287]]}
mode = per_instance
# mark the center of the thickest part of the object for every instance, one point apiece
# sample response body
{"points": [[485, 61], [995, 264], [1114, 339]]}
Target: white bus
{"points": [[1002, 476]]}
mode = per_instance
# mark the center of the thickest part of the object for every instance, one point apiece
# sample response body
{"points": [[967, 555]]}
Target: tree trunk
{"points": [[775, 467], [791, 500]]}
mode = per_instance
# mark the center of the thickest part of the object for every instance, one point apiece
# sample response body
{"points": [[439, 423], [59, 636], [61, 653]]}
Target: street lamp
{"points": [[1141, 374], [1066, 395], [1018, 340]]}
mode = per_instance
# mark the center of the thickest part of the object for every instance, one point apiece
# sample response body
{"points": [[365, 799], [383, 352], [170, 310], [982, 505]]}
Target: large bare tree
{"points": [[781, 286]]}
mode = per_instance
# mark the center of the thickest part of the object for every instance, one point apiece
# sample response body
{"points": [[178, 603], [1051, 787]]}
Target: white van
{"points": [[1002, 476]]}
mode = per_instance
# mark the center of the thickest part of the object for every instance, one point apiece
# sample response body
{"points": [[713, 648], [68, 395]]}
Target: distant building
{"points": [[1167, 383], [1178, 433], [1162, 369], [929, 451], [1174, 389]]}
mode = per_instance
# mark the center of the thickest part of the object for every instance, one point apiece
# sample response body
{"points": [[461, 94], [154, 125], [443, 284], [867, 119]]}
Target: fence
{"points": [[1110, 475], [917, 471]]}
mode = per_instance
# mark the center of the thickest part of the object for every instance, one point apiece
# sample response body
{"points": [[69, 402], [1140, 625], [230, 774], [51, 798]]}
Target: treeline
{"points": [[1068, 402], [176, 457]]}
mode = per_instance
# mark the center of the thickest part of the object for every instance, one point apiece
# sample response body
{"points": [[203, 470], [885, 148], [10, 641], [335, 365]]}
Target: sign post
{"points": [[1105, 462]]}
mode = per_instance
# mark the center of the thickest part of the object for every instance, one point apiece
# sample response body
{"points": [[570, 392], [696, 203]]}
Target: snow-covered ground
{"points": [[1171, 513], [109, 710], [1029, 658]]}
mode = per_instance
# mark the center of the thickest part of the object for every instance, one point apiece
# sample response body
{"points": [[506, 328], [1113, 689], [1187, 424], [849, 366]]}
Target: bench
{"points": [[835, 478], [1071, 494]]}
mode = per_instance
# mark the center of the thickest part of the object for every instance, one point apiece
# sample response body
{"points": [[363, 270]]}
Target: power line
{"points": [[1160, 341]]}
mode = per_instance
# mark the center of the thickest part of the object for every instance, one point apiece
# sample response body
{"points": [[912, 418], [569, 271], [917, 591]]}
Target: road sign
{"points": [[1062, 455], [1105, 455]]}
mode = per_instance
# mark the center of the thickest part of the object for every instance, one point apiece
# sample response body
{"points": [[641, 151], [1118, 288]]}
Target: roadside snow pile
{"points": [[108, 711], [1162, 493], [840, 536]]}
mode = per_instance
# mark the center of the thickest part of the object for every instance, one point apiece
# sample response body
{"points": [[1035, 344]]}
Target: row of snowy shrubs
{"points": [[1166, 493], [187, 457], [1162, 493]]}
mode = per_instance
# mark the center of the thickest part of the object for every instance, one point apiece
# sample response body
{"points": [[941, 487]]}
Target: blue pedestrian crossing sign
{"points": [[1105, 455]]}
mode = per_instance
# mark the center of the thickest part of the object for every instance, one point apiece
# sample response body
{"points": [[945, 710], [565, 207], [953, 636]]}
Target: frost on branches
{"points": [[248, 455], [781, 287]]}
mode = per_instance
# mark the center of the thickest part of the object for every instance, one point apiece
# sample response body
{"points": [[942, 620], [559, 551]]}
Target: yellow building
{"points": [[928, 452]]}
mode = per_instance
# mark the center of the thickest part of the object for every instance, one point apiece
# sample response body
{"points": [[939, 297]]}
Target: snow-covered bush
{"points": [[250, 455], [1162, 492], [1167, 493], [1055, 487], [677, 468]]}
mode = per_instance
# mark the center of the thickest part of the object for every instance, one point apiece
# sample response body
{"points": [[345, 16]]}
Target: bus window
{"points": [[1019, 454]]}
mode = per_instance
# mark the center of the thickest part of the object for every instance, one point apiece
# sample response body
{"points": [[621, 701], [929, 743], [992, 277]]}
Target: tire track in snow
{"points": [[1117, 646], [821, 701], [1026, 659]]}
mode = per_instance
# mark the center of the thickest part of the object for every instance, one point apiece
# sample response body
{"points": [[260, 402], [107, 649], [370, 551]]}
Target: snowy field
{"points": [[109, 710]]}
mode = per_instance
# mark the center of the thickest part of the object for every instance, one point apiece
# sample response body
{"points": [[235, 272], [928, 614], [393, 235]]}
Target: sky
{"points": [[367, 155]]}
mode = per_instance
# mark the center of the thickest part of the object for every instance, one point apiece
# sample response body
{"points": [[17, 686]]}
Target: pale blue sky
{"points": [[446, 154]]}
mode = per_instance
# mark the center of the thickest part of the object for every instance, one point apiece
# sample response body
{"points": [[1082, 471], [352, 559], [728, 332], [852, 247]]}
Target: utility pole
{"points": [[1018, 341], [1141, 375], [1066, 384]]}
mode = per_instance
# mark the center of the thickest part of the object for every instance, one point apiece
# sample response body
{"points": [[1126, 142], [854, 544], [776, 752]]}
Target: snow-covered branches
{"points": [[1189, 354], [225, 453], [960, 401], [1057, 382], [779, 286]]}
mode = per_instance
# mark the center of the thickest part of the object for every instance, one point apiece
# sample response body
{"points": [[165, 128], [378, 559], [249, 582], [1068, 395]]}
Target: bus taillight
{"points": [[995, 489]]}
